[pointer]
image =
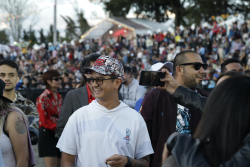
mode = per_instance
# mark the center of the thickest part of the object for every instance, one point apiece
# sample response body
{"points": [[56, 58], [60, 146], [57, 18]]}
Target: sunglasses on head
{"points": [[57, 78], [197, 65]]}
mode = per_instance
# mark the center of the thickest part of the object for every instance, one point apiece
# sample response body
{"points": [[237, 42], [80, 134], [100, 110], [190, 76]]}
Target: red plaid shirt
{"points": [[49, 109]]}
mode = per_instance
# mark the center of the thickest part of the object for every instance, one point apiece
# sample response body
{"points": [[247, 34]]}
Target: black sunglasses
{"points": [[99, 81], [197, 65], [57, 78]]}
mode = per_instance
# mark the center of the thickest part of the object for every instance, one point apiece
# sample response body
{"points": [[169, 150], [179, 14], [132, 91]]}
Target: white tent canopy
{"points": [[128, 27], [99, 30], [4, 48], [103, 27]]}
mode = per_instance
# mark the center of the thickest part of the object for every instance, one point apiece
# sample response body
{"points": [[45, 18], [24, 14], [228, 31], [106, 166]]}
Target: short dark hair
{"points": [[9, 63], [181, 58], [48, 75], [127, 69], [87, 59], [86, 63], [226, 62], [225, 120], [230, 74]]}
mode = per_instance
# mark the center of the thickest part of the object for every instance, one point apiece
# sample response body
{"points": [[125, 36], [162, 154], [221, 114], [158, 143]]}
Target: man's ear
{"points": [[118, 82], [179, 70]]}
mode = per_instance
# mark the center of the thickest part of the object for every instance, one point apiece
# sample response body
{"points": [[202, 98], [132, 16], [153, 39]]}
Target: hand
{"points": [[33, 138], [165, 153], [170, 83], [117, 160]]}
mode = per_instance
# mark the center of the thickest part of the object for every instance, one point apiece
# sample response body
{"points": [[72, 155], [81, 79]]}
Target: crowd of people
{"points": [[109, 119], [215, 45]]}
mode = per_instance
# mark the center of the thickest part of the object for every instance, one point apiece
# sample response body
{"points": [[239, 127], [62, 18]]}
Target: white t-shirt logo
{"points": [[127, 135]]}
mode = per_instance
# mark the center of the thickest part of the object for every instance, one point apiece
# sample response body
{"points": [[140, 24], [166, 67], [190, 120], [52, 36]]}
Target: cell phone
{"points": [[151, 78]]}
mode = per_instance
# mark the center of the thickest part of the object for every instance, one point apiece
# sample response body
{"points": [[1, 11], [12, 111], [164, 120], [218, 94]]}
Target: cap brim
{"points": [[6, 99]]}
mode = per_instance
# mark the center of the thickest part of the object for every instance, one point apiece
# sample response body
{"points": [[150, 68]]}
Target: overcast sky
{"points": [[65, 8], [93, 12]]}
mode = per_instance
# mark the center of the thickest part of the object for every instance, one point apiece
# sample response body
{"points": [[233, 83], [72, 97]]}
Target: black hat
{"points": [[2, 87]]}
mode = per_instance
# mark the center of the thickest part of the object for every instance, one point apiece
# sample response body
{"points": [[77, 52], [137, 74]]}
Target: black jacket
{"points": [[190, 99], [159, 111], [187, 152]]}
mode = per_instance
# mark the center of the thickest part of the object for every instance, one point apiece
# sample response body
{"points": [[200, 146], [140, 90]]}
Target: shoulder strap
{"points": [[6, 116]]}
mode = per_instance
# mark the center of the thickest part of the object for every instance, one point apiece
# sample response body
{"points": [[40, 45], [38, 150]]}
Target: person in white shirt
{"points": [[107, 132]]}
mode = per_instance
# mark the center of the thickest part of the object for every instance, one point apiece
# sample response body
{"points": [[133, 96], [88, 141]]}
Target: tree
{"points": [[206, 9], [25, 36], [4, 39], [32, 37], [17, 11], [51, 33], [186, 11], [149, 9], [244, 8], [74, 29], [42, 37], [83, 25], [71, 28]]}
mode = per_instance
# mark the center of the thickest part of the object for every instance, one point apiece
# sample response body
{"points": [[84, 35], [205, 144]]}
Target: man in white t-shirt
{"points": [[107, 132]]}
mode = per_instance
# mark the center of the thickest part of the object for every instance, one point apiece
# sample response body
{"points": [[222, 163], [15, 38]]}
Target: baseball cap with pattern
{"points": [[106, 65]]}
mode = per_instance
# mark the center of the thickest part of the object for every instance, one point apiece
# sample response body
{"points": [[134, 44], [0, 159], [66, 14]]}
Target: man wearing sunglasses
{"points": [[107, 131], [163, 115]]}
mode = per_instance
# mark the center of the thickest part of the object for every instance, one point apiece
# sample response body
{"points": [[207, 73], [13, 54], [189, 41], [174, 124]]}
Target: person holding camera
{"points": [[163, 115]]}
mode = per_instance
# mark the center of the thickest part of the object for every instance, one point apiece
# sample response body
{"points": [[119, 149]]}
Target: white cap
{"points": [[159, 65]]}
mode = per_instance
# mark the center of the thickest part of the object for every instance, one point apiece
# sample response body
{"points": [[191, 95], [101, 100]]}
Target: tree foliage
{"points": [[4, 39], [74, 29], [186, 11], [42, 36], [30, 36], [17, 10], [51, 33]]}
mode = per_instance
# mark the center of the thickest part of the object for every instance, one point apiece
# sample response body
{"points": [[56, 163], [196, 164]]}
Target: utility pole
{"points": [[54, 27]]}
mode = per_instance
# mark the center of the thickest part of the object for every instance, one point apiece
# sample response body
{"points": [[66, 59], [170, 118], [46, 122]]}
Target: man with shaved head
{"points": [[163, 115]]}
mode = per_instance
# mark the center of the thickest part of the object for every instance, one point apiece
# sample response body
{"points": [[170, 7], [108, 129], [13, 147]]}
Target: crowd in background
{"points": [[213, 44]]}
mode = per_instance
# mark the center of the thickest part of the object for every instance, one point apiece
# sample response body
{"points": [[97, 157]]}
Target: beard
{"points": [[191, 83]]}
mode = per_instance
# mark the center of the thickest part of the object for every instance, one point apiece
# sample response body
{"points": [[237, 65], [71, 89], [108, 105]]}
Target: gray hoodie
{"points": [[132, 93]]}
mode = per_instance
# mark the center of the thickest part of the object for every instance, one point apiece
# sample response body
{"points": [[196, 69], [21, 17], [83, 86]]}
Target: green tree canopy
{"points": [[75, 28], [51, 33], [186, 11], [42, 37], [4, 38]]}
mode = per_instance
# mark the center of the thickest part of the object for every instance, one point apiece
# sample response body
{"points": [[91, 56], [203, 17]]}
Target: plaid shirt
{"points": [[29, 109]]}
